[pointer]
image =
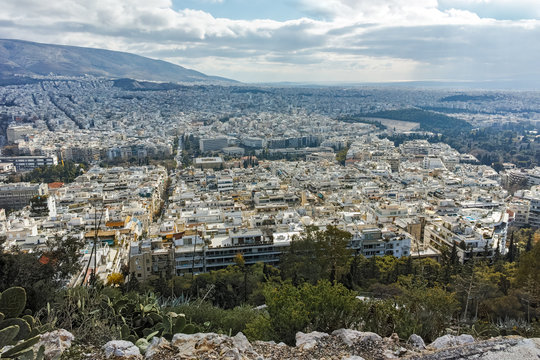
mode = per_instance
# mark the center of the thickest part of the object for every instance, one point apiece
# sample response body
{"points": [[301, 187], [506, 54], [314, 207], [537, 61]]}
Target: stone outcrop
{"points": [[350, 337], [213, 346], [55, 343], [501, 348], [309, 340], [451, 340], [121, 349], [416, 342], [157, 345], [340, 344]]}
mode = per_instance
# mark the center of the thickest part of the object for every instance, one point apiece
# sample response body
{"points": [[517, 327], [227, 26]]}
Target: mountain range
{"points": [[18, 57]]}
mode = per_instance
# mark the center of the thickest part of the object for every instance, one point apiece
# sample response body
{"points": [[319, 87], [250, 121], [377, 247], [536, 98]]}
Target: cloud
{"points": [[376, 10], [368, 40], [497, 9]]}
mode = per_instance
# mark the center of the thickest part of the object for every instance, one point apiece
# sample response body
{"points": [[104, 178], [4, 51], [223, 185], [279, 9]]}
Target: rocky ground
{"points": [[343, 344]]}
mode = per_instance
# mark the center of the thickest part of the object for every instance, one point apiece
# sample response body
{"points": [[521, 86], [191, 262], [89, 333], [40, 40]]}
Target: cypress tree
{"points": [[511, 256], [528, 247]]}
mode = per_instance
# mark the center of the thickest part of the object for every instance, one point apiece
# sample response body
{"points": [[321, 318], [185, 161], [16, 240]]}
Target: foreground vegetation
{"points": [[316, 288]]}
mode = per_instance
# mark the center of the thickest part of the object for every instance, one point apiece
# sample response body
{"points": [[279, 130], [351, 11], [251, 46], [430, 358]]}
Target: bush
{"points": [[260, 328], [321, 307], [218, 320], [427, 311]]}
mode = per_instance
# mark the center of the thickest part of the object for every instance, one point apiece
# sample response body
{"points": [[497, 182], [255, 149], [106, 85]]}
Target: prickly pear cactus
{"points": [[24, 328], [21, 348], [7, 335], [12, 302]]}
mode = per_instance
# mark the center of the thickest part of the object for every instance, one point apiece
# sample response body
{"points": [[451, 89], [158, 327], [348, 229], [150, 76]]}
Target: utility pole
{"points": [[93, 252], [193, 257]]}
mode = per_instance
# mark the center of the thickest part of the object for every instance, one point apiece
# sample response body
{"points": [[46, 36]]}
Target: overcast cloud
{"points": [[333, 40]]}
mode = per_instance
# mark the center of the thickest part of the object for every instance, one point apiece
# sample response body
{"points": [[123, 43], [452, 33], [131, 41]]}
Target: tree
{"points": [[28, 270], [341, 156], [64, 255], [465, 285], [66, 172], [430, 310], [511, 256], [241, 263], [317, 254], [528, 277], [528, 246], [115, 279]]}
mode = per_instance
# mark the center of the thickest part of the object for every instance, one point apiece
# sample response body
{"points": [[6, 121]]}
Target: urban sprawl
{"points": [[253, 168]]}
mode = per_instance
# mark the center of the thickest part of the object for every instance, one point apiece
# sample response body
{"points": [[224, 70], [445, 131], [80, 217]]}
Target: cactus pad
{"points": [[7, 335], [13, 302]]}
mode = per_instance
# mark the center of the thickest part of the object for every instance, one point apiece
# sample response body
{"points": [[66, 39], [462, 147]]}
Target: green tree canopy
{"points": [[317, 255]]}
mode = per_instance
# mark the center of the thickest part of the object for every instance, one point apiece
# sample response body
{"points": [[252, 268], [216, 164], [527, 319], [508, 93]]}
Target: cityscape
{"points": [[375, 204], [248, 163]]}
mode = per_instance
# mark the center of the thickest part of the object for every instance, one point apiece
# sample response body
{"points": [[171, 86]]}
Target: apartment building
{"points": [[18, 195], [28, 163]]}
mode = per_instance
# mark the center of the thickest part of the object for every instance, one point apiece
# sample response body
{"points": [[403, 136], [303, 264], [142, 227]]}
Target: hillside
{"points": [[19, 57]]}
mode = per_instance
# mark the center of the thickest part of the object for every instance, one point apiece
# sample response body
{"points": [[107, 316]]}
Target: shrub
{"points": [[321, 307]]}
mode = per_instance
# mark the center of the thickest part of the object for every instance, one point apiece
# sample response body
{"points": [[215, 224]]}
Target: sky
{"points": [[324, 41]]}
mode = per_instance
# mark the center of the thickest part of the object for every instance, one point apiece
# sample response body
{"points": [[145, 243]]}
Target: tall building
{"points": [[18, 132], [213, 144], [18, 195]]}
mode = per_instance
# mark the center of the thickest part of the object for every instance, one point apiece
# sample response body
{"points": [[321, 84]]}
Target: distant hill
{"points": [[464, 97], [30, 58]]}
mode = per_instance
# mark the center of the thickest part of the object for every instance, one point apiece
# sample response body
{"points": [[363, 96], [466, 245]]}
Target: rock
{"points": [[451, 340], [400, 351], [500, 348], [121, 348], [241, 342], [212, 345], [156, 346], [350, 337], [525, 349], [186, 343], [394, 338], [389, 354], [259, 342], [353, 357], [55, 343], [416, 342], [230, 353], [310, 340]]}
